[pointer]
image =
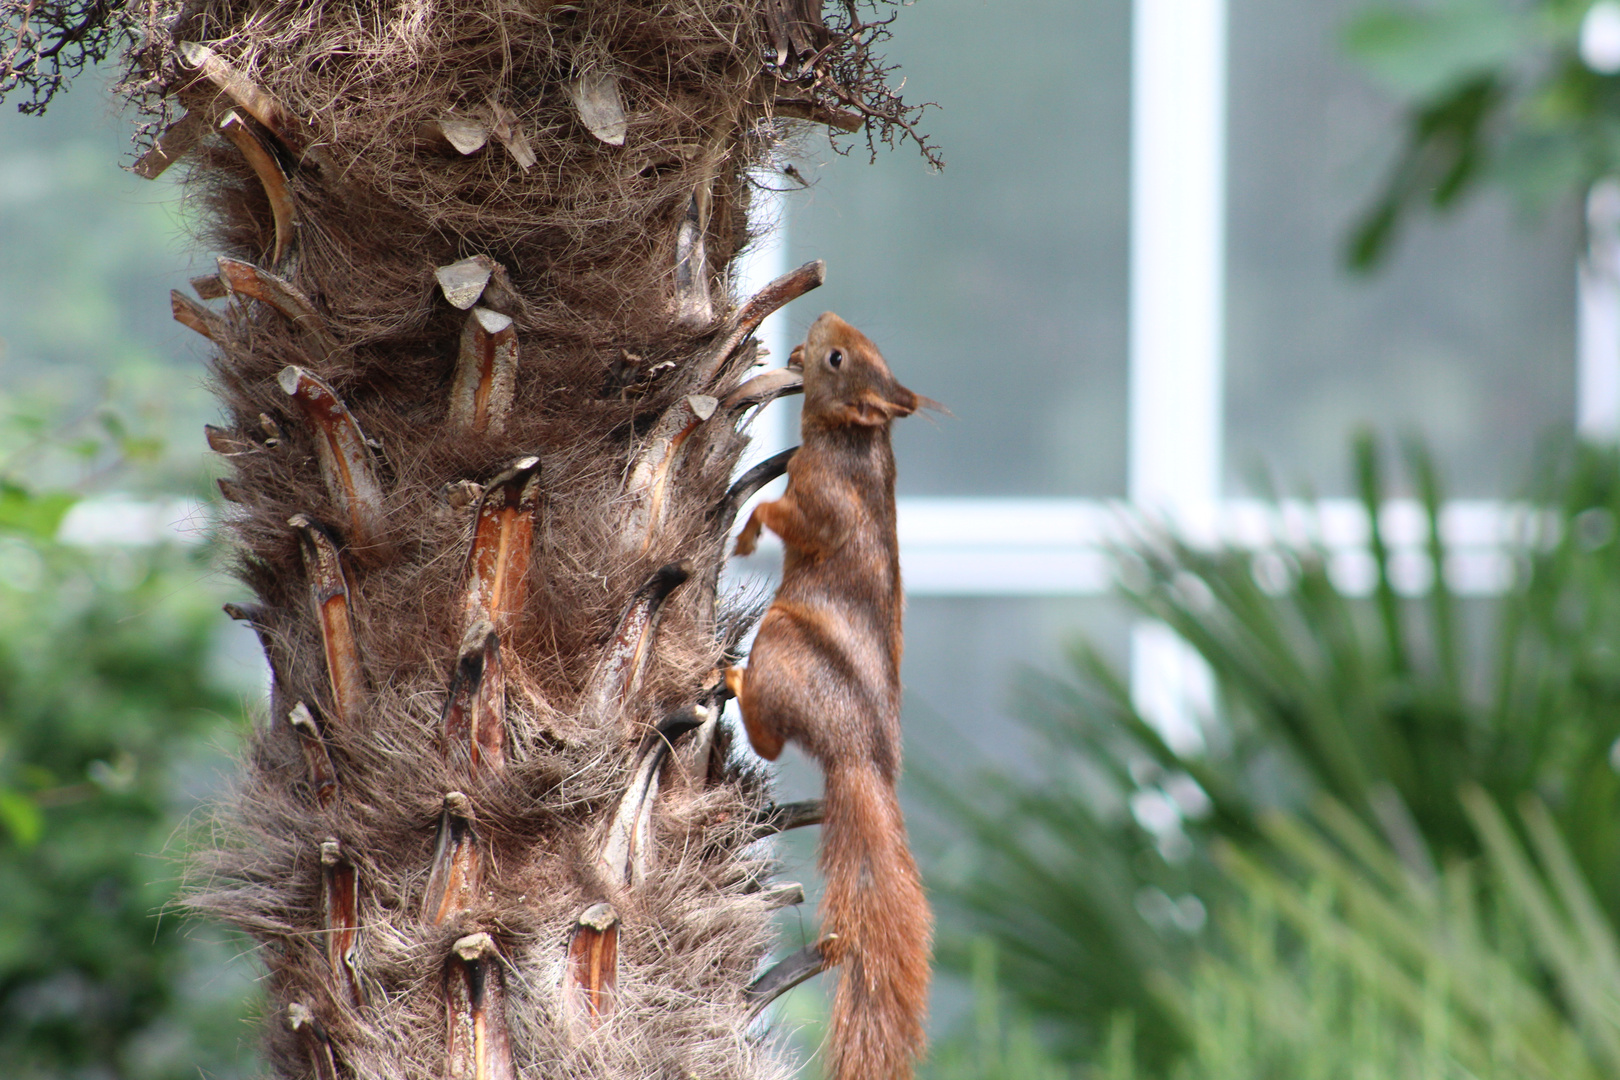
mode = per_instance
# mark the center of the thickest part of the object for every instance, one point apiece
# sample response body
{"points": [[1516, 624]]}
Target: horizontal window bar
{"points": [[981, 547]]}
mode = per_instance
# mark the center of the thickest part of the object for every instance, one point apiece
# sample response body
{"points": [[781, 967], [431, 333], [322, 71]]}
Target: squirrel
{"points": [[824, 672]]}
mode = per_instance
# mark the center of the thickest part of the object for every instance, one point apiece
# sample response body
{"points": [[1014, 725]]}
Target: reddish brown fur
{"points": [[825, 673]]}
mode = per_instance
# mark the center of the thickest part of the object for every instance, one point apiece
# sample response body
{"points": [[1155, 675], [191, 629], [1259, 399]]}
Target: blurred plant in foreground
{"points": [[1334, 960], [108, 718], [1095, 877], [998, 1044], [1331, 960]]}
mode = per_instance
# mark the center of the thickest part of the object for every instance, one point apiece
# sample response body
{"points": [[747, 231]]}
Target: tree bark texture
{"points": [[483, 374]]}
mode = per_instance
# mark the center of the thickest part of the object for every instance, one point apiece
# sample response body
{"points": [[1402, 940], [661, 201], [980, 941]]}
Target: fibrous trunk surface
{"points": [[483, 376]]}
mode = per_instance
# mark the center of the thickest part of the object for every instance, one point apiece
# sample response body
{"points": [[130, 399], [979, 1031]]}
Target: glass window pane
{"points": [[997, 286], [1467, 334], [964, 659]]}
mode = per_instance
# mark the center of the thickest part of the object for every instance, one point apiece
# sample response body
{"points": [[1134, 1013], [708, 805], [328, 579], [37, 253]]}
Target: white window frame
{"points": [[1059, 547]]}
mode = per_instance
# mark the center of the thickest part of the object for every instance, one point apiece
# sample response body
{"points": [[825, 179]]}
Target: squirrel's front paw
{"points": [[748, 539]]}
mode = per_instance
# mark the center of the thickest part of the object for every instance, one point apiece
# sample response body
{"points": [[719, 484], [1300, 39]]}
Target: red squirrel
{"points": [[824, 672]]}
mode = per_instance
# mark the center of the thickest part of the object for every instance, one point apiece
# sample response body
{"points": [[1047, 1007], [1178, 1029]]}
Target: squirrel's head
{"points": [[846, 380]]}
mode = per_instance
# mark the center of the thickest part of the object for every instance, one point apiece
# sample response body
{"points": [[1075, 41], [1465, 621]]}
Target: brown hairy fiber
{"points": [[484, 553]]}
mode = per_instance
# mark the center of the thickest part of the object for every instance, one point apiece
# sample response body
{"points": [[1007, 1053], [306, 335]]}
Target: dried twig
{"points": [[747, 486], [342, 449], [176, 141], [245, 279], [253, 99], [341, 888], [623, 859], [773, 297], [329, 593], [473, 723], [694, 302], [647, 487], [783, 894], [317, 1043], [50, 40], [818, 113], [323, 778], [193, 316], [265, 167], [227, 443], [784, 816], [848, 71], [724, 515], [486, 373], [789, 972], [763, 389]]}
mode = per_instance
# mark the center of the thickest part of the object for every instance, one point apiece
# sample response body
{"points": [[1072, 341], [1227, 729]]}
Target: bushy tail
{"points": [[875, 905]]}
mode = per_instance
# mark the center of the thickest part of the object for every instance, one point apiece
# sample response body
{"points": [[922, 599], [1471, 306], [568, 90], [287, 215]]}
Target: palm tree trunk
{"points": [[482, 374]]}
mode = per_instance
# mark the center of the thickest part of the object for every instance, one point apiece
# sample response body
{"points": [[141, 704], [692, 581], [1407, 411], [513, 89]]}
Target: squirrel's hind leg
{"points": [[766, 743]]}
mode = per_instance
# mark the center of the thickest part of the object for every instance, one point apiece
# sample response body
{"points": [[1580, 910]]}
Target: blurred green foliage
{"points": [[1336, 961], [91, 364], [1001, 1044], [1492, 90], [1095, 877], [119, 700], [1332, 961], [1339, 962], [110, 723]]}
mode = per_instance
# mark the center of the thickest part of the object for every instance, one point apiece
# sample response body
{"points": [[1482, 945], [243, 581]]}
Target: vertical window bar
{"points": [[1597, 373], [1177, 323], [773, 429]]}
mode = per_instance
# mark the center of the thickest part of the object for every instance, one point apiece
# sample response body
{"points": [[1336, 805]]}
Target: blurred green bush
{"points": [[1096, 877], [114, 724], [118, 708], [1334, 962]]}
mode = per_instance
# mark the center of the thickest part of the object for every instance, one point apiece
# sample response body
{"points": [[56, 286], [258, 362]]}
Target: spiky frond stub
{"points": [[483, 377]]}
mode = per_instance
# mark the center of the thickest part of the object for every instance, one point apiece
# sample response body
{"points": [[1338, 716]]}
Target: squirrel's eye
{"points": [[835, 358]]}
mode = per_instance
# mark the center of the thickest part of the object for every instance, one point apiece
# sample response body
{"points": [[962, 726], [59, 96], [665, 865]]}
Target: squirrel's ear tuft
{"points": [[902, 402], [872, 407]]}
